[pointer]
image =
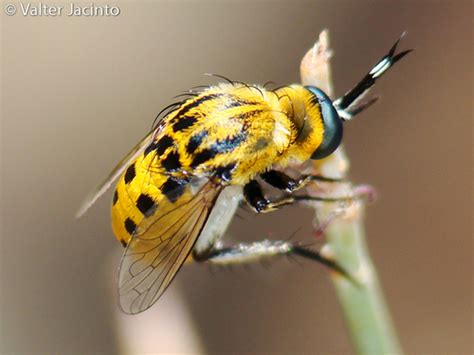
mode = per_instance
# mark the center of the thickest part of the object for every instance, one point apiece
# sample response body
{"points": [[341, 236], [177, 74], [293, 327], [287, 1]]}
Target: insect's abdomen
{"points": [[137, 195]]}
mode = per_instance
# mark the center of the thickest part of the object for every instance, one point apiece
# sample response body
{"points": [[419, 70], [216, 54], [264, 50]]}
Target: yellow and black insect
{"points": [[180, 186]]}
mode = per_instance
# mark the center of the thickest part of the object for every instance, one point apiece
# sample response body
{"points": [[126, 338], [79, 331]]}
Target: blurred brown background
{"points": [[77, 93]]}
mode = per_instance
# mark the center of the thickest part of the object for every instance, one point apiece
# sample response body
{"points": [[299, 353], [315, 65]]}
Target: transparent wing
{"points": [[114, 174], [160, 246]]}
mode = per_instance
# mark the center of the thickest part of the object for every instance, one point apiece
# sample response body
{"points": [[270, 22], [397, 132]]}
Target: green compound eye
{"points": [[332, 124]]}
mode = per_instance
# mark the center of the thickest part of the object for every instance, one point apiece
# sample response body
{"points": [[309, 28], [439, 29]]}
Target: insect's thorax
{"points": [[229, 133]]}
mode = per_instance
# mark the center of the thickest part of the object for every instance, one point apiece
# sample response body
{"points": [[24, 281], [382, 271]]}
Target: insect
{"points": [[180, 186]]}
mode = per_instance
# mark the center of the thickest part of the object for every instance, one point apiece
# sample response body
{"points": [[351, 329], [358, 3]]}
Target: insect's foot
{"points": [[262, 206]]}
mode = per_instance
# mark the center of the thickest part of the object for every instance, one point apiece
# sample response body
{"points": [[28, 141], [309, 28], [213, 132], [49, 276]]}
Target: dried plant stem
{"points": [[364, 307]]}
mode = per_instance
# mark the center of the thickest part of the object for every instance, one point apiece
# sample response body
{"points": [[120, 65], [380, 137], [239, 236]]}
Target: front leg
{"points": [[254, 196], [284, 182]]}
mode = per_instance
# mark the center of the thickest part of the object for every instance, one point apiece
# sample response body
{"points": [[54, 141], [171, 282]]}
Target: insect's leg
{"points": [[322, 178], [253, 252], [254, 196], [282, 181]]}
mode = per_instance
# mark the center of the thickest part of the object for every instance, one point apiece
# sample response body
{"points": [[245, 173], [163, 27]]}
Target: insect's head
{"points": [[331, 121]]}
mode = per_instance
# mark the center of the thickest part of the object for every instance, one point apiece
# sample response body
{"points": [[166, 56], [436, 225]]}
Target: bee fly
{"points": [[180, 186]]}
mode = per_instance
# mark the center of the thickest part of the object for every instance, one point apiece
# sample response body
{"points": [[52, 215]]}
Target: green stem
{"points": [[367, 316], [364, 307]]}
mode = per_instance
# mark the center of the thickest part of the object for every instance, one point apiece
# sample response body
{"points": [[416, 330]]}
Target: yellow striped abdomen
{"points": [[137, 195]]}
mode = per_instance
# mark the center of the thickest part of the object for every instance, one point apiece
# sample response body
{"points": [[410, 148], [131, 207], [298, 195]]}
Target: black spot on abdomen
{"points": [[160, 147], [151, 147], [171, 162], [173, 188], [130, 174], [130, 226], [115, 199], [146, 205]]}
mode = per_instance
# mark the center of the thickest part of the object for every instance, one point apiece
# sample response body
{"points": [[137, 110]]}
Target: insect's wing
{"points": [[160, 246], [114, 174]]}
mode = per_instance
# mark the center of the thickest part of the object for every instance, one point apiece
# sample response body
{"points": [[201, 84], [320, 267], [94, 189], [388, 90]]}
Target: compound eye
{"points": [[332, 124]]}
